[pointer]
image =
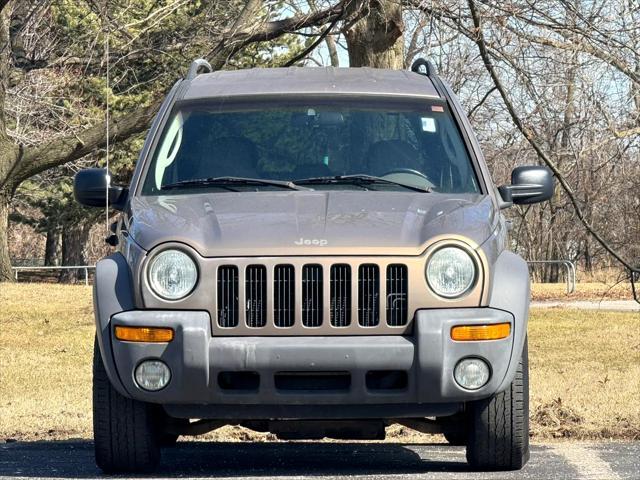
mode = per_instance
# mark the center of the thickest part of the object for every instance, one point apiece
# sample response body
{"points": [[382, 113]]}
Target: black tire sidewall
{"points": [[126, 432], [499, 425]]}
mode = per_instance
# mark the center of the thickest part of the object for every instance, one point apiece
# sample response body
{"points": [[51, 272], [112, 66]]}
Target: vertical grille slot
{"points": [[340, 295], [228, 296], [368, 295], [284, 295], [397, 291], [312, 295], [256, 296]]}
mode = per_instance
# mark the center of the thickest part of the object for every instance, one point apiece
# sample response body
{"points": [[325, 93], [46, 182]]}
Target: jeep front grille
{"points": [[312, 293], [256, 291], [397, 292], [314, 296], [368, 295], [284, 295], [340, 295], [228, 296]]}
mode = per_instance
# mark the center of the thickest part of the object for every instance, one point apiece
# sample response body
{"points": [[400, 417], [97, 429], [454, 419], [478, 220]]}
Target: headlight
{"points": [[451, 272], [172, 274]]}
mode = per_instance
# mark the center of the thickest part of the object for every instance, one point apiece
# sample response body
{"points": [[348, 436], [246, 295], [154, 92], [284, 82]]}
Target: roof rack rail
{"points": [[424, 67], [197, 67]]}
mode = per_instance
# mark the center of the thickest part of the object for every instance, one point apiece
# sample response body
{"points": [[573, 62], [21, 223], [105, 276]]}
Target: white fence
{"points": [[85, 268], [571, 271]]}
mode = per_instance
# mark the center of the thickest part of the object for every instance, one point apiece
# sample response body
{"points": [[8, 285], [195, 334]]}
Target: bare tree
{"points": [[554, 82]]}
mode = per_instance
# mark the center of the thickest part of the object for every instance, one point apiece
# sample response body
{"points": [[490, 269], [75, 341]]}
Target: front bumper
{"points": [[197, 359]]}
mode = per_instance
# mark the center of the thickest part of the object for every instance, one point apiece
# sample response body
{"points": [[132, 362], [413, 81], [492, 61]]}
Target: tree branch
{"points": [[314, 44], [626, 133], [67, 149], [227, 47], [571, 45], [481, 102]]}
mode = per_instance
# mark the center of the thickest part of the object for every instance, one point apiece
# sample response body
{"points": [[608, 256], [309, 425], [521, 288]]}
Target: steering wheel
{"points": [[409, 171]]}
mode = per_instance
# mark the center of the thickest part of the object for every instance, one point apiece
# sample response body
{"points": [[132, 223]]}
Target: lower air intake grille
{"points": [[312, 295], [397, 295], [340, 291], [368, 295], [256, 296], [284, 295], [228, 296]]}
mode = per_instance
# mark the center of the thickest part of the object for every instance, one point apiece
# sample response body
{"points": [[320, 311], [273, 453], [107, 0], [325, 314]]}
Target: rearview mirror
{"points": [[90, 189], [530, 184]]}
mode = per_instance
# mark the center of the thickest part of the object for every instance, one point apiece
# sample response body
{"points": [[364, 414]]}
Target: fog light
{"points": [[152, 375], [472, 373]]}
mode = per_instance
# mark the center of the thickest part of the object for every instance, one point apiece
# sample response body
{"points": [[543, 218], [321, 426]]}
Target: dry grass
{"points": [[584, 291], [585, 373], [585, 370], [46, 343]]}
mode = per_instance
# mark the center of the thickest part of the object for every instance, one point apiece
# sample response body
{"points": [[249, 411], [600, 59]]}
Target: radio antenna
{"points": [[108, 91]]}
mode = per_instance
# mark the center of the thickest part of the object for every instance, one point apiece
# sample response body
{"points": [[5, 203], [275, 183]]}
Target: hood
{"points": [[309, 223]]}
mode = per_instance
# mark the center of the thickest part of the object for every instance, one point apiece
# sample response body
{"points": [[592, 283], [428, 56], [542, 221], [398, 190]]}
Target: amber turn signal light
{"points": [[467, 333], [144, 334]]}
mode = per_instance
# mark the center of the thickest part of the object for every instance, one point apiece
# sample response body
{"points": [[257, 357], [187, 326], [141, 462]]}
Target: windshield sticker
{"points": [[428, 124], [437, 108]]}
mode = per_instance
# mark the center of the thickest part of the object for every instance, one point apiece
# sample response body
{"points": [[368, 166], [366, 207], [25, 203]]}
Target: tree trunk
{"points": [[588, 260], [6, 275], [53, 246], [376, 40], [333, 51], [74, 240]]}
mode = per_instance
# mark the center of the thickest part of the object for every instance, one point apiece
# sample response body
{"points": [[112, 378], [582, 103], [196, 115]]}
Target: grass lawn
{"points": [[585, 369]]}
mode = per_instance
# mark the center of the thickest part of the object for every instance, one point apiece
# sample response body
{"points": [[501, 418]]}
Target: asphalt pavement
{"points": [[319, 460]]}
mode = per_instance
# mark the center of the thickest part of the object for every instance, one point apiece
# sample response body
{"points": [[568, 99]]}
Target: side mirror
{"points": [[530, 184], [90, 189]]}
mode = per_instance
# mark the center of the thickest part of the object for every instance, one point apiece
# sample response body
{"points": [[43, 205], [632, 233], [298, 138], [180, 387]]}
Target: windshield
{"points": [[341, 145]]}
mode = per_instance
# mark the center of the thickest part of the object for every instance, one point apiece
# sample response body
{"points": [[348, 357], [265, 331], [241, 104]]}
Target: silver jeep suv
{"points": [[314, 252]]}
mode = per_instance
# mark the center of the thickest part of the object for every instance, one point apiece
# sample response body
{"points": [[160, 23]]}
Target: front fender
{"points": [[510, 291], [112, 293]]}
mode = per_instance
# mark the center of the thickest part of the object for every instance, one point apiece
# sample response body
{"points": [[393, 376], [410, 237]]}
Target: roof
{"points": [[310, 81]]}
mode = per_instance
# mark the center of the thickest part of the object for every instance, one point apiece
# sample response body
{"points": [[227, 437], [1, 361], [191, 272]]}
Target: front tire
{"points": [[499, 425], [125, 431]]}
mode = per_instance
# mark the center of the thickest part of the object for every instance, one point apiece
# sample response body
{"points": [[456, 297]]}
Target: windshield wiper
{"points": [[360, 180], [225, 181]]}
